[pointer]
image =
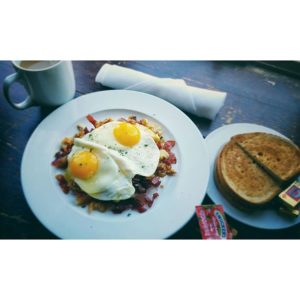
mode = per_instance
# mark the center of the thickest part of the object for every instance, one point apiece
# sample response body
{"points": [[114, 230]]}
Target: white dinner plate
{"points": [[177, 199], [265, 218]]}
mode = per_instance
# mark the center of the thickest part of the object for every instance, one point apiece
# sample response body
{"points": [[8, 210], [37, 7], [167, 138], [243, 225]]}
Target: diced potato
{"points": [[67, 141], [155, 137], [145, 122], [163, 154]]}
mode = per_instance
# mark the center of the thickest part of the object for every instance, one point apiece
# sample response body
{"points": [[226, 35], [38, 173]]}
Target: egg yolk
{"points": [[127, 134], [84, 164]]}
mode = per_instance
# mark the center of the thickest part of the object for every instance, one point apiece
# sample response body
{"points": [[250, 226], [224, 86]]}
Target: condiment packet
{"points": [[213, 223], [291, 196]]}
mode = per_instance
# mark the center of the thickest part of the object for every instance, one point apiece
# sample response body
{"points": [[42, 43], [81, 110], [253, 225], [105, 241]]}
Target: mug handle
{"points": [[8, 81]]}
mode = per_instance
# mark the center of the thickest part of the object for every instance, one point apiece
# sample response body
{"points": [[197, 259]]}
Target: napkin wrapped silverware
{"points": [[200, 102]]}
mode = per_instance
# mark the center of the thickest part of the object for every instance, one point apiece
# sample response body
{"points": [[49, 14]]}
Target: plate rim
{"points": [[70, 104]]}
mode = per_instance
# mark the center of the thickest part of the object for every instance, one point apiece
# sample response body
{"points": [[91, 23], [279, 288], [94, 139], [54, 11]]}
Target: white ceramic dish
{"points": [[267, 218], [176, 202]]}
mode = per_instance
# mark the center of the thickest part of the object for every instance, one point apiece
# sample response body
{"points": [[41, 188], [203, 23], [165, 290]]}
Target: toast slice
{"points": [[241, 179], [230, 196], [278, 156]]}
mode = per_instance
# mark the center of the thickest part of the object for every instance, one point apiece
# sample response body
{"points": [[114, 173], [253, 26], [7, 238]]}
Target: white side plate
{"points": [[266, 218]]}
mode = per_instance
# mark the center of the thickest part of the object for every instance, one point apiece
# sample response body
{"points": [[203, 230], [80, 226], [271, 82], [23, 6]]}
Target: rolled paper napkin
{"points": [[200, 102]]}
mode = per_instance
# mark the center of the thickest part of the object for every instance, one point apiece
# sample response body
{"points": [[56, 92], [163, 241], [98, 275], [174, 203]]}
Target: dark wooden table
{"points": [[256, 94]]}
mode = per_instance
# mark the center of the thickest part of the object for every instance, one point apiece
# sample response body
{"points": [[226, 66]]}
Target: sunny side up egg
{"points": [[134, 142], [97, 173], [105, 160]]}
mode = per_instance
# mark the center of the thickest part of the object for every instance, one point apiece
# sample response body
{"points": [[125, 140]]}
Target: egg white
{"points": [[109, 182], [143, 157]]}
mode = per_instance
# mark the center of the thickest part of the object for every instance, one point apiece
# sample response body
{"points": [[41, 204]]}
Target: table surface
{"points": [[256, 94]]}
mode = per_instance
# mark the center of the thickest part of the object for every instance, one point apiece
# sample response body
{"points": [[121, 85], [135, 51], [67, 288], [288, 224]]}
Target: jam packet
{"points": [[291, 196], [213, 223]]}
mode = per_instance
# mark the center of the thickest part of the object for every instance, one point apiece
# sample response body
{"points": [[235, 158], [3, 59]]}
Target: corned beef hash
{"points": [[114, 165]]}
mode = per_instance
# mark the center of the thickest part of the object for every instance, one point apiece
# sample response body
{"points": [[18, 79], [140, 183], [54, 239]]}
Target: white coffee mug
{"points": [[48, 83]]}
